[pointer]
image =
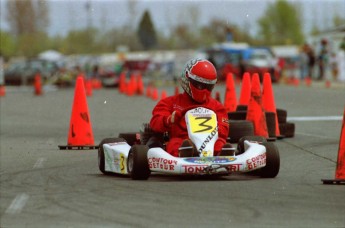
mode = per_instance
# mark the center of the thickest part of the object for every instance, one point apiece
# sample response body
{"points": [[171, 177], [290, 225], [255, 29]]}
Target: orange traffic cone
{"points": [[155, 94], [308, 81], [328, 84], [140, 84], [340, 169], [295, 81], [96, 83], [130, 87], [2, 91], [340, 172], [268, 99], [256, 113], [176, 90], [217, 97], [245, 90], [134, 85], [38, 85], [148, 91], [80, 131], [230, 100], [163, 94], [88, 87]]}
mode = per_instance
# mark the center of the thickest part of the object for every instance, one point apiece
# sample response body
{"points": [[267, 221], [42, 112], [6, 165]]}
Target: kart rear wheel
{"points": [[239, 128], [237, 115], [130, 137], [272, 167], [240, 145], [101, 156], [137, 163]]}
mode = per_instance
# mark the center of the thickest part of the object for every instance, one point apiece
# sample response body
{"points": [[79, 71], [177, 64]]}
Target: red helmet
{"points": [[198, 79]]}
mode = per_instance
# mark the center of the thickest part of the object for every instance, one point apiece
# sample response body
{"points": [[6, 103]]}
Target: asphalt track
{"points": [[42, 186]]}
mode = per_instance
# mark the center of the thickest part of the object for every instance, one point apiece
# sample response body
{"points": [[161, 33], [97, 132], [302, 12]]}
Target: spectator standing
{"points": [[333, 62], [323, 59], [341, 62], [95, 71], [311, 59], [303, 62]]}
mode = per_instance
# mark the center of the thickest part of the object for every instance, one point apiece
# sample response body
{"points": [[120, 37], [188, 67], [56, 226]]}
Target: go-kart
{"points": [[253, 153]]}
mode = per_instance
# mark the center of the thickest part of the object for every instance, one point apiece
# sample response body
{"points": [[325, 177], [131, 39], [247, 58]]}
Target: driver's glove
{"points": [[173, 118]]}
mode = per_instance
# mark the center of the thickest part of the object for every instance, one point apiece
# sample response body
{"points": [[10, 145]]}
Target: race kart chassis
{"points": [[139, 161], [115, 155]]}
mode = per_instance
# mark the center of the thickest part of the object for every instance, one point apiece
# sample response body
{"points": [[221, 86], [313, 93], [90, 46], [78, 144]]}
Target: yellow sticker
{"points": [[202, 124], [122, 163], [206, 153]]}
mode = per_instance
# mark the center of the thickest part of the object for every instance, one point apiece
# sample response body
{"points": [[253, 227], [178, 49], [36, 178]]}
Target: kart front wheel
{"points": [[272, 167], [101, 156], [138, 166], [254, 138]]}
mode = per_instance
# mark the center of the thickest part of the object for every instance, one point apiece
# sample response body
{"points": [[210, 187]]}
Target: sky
{"points": [[66, 15]]}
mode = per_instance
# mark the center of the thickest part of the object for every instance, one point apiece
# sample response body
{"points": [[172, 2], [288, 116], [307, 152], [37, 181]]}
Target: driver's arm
{"points": [[161, 116], [223, 123]]}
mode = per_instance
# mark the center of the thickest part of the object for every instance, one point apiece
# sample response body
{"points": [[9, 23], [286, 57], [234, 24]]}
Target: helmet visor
{"points": [[200, 85]]}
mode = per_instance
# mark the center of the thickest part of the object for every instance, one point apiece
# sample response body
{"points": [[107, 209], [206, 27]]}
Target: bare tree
{"points": [[132, 4], [27, 16], [41, 15]]}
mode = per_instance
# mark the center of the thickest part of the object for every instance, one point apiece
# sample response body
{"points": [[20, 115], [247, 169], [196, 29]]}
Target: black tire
{"points": [[101, 156], [281, 115], [237, 115], [287, 129], [130, 137], [240, 145], [271, 124], [242, 108], [137, 163], [240, 128], [272, 167]]}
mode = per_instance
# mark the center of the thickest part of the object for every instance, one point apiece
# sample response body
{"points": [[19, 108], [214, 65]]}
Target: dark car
{"points": [[23, 72]]}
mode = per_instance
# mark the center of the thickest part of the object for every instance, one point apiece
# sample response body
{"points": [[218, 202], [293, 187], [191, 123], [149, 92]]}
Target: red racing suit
{"points": [[178, 130]]}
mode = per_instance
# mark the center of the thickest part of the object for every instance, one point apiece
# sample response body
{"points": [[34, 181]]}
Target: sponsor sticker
{"points": [[162, 163], [256, 162], [205, 160], [195, 169]]}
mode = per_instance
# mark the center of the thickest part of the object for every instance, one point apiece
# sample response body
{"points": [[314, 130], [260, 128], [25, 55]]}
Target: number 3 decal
{"points": [[122, 163], [202, 124]]}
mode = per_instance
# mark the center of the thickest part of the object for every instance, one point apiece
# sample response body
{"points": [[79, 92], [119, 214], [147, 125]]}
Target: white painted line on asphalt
{"points": [[313, 135], [18, 204], [315, 118], [39, 163]]}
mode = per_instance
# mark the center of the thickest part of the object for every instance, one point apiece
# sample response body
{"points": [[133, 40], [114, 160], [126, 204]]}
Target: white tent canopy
{"points": [[50, 55]]}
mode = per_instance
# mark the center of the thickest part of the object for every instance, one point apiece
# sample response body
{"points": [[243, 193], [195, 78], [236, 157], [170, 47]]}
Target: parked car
{"points": [[23, 72], [239, 58], [262, 60], [109, 77], [228, 58]]}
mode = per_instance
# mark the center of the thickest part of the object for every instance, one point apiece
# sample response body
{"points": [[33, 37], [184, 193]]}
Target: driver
{"points": [[197, 81]]}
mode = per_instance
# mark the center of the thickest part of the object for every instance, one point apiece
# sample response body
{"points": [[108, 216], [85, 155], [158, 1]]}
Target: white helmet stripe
{"points": [[200, 79]]}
